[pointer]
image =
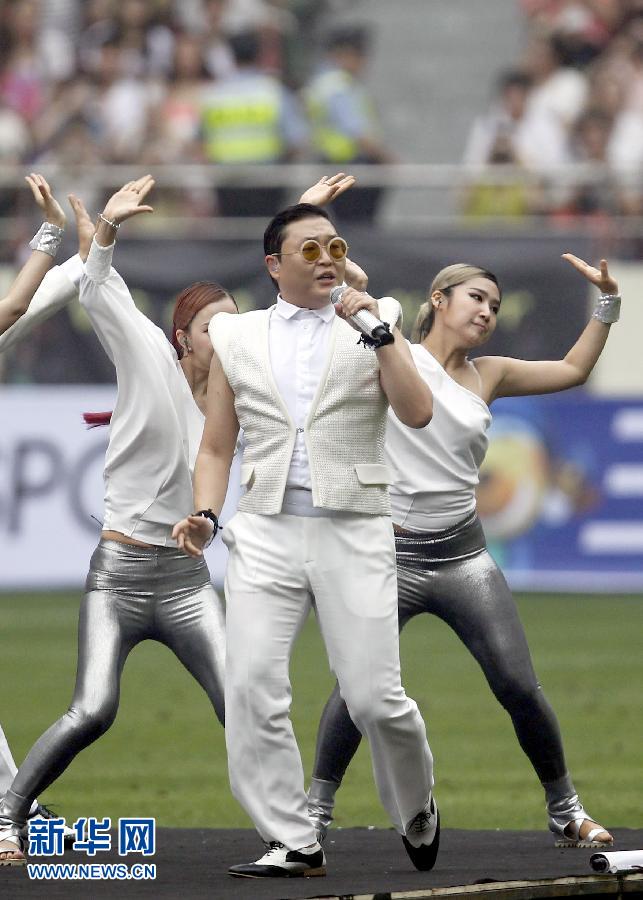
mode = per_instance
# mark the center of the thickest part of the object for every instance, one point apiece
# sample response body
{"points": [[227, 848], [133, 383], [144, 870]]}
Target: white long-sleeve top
{"points": [[156, 426], [58, 287]]}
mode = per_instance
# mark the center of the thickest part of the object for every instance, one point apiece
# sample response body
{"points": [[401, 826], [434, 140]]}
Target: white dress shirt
{"points": [[298, 348]]}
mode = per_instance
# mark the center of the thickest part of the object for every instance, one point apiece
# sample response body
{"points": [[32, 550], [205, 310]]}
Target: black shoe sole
{"points": [[276, 872]]}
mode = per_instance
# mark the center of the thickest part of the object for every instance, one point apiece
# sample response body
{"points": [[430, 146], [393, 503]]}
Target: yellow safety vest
{"points": [[332, 144], [241, 122]]}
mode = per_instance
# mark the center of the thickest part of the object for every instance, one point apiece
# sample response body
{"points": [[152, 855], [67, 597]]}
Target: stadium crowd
{"points": [[575, 97], [148, 82]]}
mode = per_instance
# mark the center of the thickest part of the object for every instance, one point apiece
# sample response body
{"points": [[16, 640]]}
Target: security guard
{"points": [[344, 120], [251, 118]]}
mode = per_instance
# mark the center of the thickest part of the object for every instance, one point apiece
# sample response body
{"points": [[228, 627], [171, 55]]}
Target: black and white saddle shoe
{"points": [[422, 838], [279, 862]]}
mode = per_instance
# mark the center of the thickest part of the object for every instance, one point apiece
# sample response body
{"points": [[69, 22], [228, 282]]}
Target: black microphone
{"points": [[375, 333]]}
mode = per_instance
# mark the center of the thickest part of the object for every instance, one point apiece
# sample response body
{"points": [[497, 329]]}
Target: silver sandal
{"points": [[11, 843], [567, 822]]}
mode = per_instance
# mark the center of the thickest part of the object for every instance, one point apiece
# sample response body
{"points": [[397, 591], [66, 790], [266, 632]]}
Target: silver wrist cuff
{"points": [[48, 238], [608, 308]]}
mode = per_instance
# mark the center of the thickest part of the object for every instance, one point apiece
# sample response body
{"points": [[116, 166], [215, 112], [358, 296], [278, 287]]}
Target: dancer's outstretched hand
{"points": [[327, 189], [600, 277], [84, 226], [128, 201], [45, 199]]}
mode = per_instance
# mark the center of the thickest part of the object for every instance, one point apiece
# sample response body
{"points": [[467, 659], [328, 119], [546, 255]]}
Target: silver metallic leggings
{"points": [[451, 575], [132, 594]]}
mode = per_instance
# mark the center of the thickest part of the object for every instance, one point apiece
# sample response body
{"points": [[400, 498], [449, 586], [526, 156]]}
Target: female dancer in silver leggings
{"points": [[139, 586], [36, 284], [443, 565]]}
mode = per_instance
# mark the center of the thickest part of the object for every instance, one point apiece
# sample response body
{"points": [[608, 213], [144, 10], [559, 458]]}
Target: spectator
{"points": [[15, 144], [59, 22], [250, 118], [119, 110], [596, 198], [176, 120], [583, 26], [531, 138], [272, 22], [15, 139], [346, 130], [559, 91], [625, 151], [99, 27], [24, 78], [146, 41], [489, 198]]}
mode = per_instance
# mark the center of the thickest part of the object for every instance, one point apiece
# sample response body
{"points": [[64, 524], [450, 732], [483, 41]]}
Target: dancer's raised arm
{"points": [[327, 189], [507, 377], [44, 245]]}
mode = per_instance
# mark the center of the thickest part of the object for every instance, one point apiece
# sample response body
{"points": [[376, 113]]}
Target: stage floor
{"points": [[369, 864]]}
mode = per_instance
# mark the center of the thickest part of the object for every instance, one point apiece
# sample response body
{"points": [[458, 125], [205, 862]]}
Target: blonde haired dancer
{"points": [[443, 566]]}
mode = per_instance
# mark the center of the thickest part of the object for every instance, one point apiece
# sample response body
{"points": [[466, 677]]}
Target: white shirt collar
{"points": [[289, 310]]}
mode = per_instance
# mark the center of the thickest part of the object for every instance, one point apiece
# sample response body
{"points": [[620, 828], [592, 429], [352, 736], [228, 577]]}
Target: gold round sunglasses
{"points": [[311, 250]]}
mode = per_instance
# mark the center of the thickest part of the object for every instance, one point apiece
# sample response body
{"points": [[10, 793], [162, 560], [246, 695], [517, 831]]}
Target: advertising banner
{"points": [[561, 492], [51, 486]]}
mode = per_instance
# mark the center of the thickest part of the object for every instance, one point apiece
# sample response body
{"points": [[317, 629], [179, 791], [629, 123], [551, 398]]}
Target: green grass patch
{"points": [[165, 754]]}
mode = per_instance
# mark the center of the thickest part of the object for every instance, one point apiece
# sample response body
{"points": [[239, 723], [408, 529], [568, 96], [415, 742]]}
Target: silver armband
{"points": [[48, 238], [608, 308]]}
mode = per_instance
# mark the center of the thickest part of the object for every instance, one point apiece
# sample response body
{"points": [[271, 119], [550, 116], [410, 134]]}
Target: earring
{"points": [[186, 344]]}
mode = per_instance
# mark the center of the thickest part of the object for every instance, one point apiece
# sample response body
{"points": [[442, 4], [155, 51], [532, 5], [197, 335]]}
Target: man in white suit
{"points": [[313, 527]]}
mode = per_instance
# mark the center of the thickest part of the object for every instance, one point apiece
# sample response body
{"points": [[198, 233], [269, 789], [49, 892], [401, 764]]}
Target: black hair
{"points": [[245, 46], [355, 37], [273, 236], [514, 78]]}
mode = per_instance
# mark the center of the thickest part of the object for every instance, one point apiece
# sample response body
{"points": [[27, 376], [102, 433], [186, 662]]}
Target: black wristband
{"points": [[381, 338], [208, 514]]}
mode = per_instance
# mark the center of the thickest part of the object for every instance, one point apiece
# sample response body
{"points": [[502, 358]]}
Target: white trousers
{"points": [[345, 565]]}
